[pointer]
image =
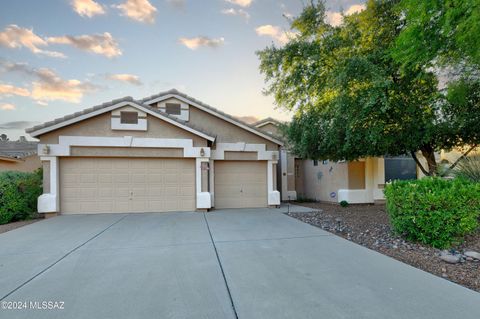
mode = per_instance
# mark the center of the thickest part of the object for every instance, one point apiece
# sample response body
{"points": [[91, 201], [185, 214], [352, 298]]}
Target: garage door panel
{"points": [[240, 184], [92, 185]]}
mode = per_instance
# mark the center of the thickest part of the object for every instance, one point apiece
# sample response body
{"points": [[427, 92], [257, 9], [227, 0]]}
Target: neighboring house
{"points": [[19, 156], [167, 152], [360, 181]]}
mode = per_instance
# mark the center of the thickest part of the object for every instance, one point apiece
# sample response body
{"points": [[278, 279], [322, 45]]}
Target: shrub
{"points": [[434, 211], [18, 195], [469, 168], [344, 203]]}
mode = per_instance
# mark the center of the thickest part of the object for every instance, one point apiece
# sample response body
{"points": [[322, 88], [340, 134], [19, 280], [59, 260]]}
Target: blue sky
{"points": [[61, 56]]}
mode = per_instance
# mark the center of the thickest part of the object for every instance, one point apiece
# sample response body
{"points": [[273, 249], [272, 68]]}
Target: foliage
{"points": [[353, 99], [469, 168], [344, 203], [18, 195], [434, 211], [445, 31]]}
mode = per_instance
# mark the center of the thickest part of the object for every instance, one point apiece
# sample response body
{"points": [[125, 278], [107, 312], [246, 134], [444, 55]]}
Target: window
{"points": [[325, 162], [173, 108], [400, 168], [315, 162], [128, 118]]}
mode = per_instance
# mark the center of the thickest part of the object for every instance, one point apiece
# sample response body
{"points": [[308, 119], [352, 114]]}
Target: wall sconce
{"points": [[202, 152], [46, 149]]}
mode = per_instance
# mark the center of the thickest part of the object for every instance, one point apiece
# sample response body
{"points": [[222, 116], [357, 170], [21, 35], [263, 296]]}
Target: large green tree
{"points": [[352, 98]]}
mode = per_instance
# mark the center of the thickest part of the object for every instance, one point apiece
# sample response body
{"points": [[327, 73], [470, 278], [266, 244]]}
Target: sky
{"points": [[61, 56]]}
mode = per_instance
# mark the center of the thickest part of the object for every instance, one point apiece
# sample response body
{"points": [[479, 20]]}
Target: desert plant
{"points": [[434, 211], [18, 195], [344, 203], [469, 168]]}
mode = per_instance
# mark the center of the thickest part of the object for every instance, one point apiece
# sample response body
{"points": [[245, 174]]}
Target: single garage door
{"points": [[240, 184], [115, 185]]}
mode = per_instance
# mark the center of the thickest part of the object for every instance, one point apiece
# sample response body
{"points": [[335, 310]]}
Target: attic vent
{"points": [[128, 117], [173, 108]]}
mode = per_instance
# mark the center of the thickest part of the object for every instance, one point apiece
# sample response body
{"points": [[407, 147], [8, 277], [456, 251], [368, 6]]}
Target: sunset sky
{"points": [[60, 56]]}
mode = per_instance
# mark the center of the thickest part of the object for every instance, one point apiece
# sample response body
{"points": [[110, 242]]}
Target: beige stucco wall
{"points": [[241, 156], [125, 152], [101, 126], [46, 177], [319, 181], [224, 131], [27, 164]]}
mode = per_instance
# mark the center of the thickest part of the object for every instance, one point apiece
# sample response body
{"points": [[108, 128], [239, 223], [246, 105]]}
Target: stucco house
{"points": [[19, 156], [166, 152], [356, 182]]}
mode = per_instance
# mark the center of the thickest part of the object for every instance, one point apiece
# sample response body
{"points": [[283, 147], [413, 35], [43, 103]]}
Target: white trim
{"points": [[50, 202], [273, 195], [113, 107], [117, 125], [210, 111], [65, 143], [262, 153], [355, 196], [184, 109], [204, 200], [265, 123], [212, 182]]}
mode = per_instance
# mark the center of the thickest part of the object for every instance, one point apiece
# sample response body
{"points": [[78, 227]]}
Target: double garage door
{"points": [[106, 185], [119, 185]]}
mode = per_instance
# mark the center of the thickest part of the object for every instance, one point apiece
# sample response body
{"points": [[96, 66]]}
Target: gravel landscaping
{"points": [[368, 225], [10, 226]]}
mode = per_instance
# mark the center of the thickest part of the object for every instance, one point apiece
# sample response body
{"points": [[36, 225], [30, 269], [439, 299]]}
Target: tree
{"points": [[3, 137], [351, 98]]}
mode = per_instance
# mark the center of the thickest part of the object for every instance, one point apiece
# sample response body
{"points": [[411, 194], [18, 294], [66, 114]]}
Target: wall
{"points": [[101, 126], [27, 164]]}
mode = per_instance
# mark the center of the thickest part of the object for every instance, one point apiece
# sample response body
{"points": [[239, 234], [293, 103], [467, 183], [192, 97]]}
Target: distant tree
{"points": [[353, 99], [3, 137]]}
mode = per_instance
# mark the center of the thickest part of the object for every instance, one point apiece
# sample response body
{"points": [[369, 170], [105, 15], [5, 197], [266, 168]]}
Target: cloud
{"points": [[177, 4], [14, 37], [48, 86], [103, 44], [7, 107], [7, 89], [236, 12], [335, 18], [16, 125], [242, 3], [274, 32], [139, 10], [129, 78], [201, 41], [87, 8]]}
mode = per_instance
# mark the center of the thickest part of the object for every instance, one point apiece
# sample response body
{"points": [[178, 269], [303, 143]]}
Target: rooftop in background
{"points": [[17, 149]]}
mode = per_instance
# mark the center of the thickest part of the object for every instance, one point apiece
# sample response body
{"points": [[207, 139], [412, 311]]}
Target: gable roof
{"points": [[109, 106], [209, 109], [15, 150], [265, 121]]}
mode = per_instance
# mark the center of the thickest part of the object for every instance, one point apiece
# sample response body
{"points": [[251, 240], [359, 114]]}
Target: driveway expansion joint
{"points": [[62, 258], [221, 267], [273, 238]]}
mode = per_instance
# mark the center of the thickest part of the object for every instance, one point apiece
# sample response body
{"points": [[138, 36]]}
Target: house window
{"points": [[315, 162], [325, 162], [128, 117], [173, 108]]}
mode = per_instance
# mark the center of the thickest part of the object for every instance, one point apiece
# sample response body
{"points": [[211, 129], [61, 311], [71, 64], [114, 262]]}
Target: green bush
{"points": [[434, 211], [344, 203], [18, 195], [469, 168]]}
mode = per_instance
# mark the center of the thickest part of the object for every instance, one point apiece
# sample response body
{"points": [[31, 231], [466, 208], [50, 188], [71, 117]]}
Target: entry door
{"points": [[240, 184]]}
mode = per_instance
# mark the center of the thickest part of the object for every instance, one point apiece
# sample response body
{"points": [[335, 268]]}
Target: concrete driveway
{"points": [[255, 263]]}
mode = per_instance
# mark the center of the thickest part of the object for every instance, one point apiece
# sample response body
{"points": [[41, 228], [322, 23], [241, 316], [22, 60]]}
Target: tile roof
{"points": [[16, 149]]}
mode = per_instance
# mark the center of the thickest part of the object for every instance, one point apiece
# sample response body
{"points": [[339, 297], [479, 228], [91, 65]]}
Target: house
{"points": [[356, 182], [166, 152], [19, 156]]}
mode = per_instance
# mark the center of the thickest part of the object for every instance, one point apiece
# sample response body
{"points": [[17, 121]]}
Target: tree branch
{"points": [[424, 171], [462, 157]]}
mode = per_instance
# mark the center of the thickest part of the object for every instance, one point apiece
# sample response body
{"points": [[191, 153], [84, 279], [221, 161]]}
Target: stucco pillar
{"points": [[204, 200], [50, 202], [273, 195]]}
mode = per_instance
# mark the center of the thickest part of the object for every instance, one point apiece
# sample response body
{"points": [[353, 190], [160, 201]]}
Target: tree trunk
{"points": [[429, 154]]}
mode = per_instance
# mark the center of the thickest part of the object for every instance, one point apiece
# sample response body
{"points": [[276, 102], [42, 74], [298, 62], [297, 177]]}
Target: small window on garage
{"points": [[173, 108], [315, 162], [128, 117]]}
